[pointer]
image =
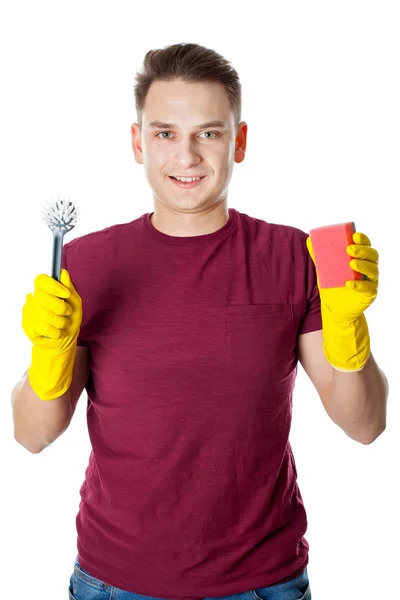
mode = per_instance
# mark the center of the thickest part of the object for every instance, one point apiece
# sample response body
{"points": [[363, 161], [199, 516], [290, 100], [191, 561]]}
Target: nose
{"points": [[187, 154]]}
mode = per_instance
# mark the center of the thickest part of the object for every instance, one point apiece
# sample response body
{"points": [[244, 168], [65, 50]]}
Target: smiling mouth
{"points": [[172, 177], [186, 185]]}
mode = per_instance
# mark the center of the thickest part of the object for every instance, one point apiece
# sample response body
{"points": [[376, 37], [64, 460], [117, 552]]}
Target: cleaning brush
{"points": [[61, 215]]}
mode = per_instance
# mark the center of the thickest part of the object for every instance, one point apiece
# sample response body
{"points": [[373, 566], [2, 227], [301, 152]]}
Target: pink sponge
{"points": [[331, 259]]}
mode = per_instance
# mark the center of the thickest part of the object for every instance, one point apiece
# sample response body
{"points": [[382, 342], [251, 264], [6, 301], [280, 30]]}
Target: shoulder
{"points": [[95, 260], [282, 237], [101, 241]]}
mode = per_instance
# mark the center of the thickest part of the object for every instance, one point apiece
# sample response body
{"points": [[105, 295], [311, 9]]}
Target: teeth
{"points": [[188, 179]]}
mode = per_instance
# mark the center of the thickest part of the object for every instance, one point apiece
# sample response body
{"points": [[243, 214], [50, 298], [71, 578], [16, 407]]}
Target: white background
{"points": [[321, 98]]}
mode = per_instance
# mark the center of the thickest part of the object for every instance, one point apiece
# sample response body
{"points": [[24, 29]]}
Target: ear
{"points": [[240, 142], [137, 143]]}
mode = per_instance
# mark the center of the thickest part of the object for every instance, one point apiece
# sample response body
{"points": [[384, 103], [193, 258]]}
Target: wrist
{"points": [[50, 372], [346, 341]]}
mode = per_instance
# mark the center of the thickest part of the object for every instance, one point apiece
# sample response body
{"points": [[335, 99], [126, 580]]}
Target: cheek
{"points": [[225, 156], [155, 161]]}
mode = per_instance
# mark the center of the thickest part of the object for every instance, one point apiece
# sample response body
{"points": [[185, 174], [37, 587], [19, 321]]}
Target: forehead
{"points": [[187, 103]]}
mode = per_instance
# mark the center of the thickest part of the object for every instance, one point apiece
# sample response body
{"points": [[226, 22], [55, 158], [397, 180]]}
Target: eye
{"points": [[158, 134], [214, 132]]}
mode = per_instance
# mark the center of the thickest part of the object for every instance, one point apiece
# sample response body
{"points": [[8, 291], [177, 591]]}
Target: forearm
{"points": [[38, 423], [359, 401]]}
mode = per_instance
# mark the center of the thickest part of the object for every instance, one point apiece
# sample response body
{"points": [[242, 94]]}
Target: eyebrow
{"points": [[162, 125]]}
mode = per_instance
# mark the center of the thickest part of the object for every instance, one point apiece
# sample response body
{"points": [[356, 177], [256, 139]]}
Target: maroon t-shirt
{"points": [[191, 490]]}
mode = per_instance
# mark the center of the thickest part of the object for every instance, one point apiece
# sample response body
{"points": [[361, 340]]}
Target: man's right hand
{"points": [[52, 315], [51, 318]]}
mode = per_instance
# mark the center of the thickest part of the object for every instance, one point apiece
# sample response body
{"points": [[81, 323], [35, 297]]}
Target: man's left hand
{"points": [[349, 302]]}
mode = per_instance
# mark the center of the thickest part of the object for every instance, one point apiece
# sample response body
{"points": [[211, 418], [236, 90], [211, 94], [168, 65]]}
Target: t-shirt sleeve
{"points": [[64, 265], [312, 318]]}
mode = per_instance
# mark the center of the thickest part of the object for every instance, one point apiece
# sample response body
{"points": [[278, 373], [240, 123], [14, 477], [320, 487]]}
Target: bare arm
{"points": [[359, 401], [355, 401], [38, 423]]}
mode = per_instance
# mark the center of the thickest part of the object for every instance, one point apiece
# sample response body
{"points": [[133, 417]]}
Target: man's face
{"points": [[180, 145]]}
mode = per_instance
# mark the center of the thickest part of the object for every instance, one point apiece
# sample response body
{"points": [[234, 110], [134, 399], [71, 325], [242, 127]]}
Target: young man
{"points": [[185, 326]]}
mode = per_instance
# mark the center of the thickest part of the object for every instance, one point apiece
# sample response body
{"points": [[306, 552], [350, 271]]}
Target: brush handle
{"points": [[56, 259], [57, 255]]}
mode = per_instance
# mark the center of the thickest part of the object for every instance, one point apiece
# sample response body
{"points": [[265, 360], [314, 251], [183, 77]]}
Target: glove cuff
{"points": [[346, 343], [50, 373]]}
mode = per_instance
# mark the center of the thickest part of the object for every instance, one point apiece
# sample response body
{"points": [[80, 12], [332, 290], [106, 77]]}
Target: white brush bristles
{"points": [[60, 214]]}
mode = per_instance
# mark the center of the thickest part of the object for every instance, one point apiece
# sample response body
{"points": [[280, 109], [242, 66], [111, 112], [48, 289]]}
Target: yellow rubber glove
{"points": [[344, 327], [51, 318]]}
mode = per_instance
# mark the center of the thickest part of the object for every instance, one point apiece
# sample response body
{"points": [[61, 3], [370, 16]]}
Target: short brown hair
{"points": [[191, 63]]}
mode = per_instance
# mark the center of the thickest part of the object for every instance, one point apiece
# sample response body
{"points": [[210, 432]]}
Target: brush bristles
{"points": [[61, 215]]}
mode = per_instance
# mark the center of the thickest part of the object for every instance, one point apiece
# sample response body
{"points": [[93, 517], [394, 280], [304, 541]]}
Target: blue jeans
{"points": [[85, 587]]}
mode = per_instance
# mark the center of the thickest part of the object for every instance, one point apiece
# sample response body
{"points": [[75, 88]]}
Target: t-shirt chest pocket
{"points": [[258, 336]]}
